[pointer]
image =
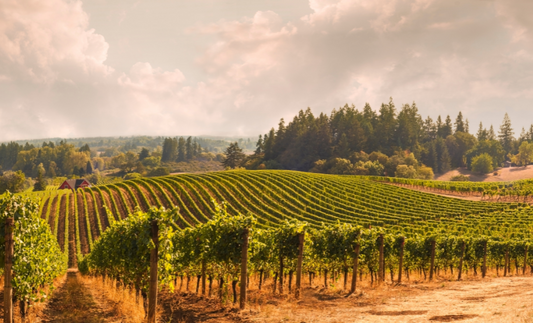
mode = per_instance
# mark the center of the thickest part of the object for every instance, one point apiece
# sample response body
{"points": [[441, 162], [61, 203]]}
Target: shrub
{"points": [[460, 178], [159, 171], [404, 171], [482, 164], [132, 176], [425, 172]]}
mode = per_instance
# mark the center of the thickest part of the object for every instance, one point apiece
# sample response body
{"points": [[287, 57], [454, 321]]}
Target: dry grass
{"points": [[121, 301]]}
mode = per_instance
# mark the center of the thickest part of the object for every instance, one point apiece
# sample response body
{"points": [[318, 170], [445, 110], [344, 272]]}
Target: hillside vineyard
{"points": [[78, 219]]}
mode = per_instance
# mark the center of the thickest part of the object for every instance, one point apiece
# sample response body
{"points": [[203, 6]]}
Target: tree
{"points": [[189, 152], [482, 164], [40, 183], [52, 170], [482, 133], [459, 123], [525, 154], [506, 134], [259, 145], [181, 150], [143, 154], [170, 150], [89, 169], [233, 156], [406, 171]]}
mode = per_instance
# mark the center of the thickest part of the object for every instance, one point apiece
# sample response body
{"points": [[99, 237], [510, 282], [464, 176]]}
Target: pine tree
{"points": [[234, 156], [343, 147], [482, 133], [259, 145], [40, 183], [459, 123], [506, 134], [181, 150], [491, 135], [144, 153], [467, 126], [189, 153], [89, 168]]}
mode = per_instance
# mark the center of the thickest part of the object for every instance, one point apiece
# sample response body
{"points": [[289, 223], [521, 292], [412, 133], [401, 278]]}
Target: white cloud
{"points": [[448, 56]]}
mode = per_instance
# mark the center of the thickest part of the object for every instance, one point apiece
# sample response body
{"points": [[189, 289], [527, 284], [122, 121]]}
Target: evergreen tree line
{"points": [[441, 144], [180, 149]]}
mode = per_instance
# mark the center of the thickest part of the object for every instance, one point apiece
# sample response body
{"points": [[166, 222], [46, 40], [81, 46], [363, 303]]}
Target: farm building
{"points": [[74, 184]]}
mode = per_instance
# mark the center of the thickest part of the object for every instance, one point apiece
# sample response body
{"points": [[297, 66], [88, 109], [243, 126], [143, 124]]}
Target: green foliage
{"points": [[37, 259], [234, 156], [132, 176], [482, 164], [123, 250]]}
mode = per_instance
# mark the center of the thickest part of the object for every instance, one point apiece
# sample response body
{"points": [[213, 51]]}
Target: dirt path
{"points": [[73, 302], [491, 300]]}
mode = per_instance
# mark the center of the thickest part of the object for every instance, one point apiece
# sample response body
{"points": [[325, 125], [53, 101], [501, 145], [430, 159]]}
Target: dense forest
{"points": [[350, 141], [21, 164]]}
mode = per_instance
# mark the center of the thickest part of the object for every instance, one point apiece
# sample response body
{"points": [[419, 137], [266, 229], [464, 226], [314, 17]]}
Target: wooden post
{"points": [[281, 274], [461, 261], [301, 238], [525, 261], [432, 263], [505, 263], [8, 289], [381, 270], [355, 269], [152, 296], [400, 264], [244, 269], [484, 268], [203, 277]]}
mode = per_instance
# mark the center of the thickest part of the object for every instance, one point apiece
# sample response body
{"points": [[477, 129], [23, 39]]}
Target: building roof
{"points": [[76, 183]]}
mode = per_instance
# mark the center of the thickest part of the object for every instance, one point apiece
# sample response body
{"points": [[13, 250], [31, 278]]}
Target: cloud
{"points": [[472, 56]]}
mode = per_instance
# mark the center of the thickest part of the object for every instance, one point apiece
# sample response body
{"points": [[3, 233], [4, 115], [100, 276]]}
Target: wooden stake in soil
{"points": [[381, 273], [301, 237], [461, 261], [432, 263], [400, 264], [484, 269], [244, 269], [280, 274], [8, 289], [203, 277], [152, 296], [355, 265], [525, 261]]}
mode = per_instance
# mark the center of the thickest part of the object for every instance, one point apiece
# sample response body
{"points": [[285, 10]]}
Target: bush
{"points": [[132, 176], [482, 164], [460, 178], [159, 171], [405, 171], [425, 172]]}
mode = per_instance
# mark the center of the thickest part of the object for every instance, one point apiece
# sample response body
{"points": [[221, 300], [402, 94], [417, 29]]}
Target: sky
{"points": [[71, 68]]}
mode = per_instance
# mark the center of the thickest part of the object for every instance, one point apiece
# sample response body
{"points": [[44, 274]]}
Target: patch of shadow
{"points": [[397, 313], [327, 297], [452, 317], [474, 298]]}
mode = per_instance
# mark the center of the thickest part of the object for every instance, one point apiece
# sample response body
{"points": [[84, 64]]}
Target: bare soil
{"points": [[505, 174], [491, 300]]}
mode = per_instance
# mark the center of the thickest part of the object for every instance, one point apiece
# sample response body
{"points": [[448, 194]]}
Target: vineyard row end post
{"points": [[301, 240], [244, 269], [355, 269], [400, 264], [8, 289], [381, 269], [152, 296], [432, 263]]}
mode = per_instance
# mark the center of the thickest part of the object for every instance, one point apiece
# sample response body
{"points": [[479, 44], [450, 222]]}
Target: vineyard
{"points": [[78, 219], [515, 191]]}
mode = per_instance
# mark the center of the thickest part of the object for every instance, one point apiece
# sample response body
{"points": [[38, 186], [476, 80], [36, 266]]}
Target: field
{"points": [[78, 219]]}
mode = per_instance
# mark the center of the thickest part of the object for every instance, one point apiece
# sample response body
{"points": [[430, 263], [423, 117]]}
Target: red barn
{"points": [[74, 184]]}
